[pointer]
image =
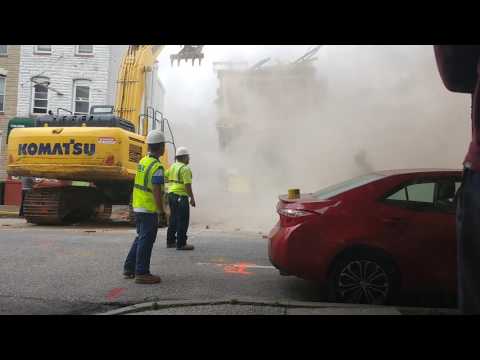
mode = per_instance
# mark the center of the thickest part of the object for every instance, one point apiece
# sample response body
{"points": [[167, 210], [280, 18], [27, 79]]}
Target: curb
{"points": [[157, 305], [8, 214]]}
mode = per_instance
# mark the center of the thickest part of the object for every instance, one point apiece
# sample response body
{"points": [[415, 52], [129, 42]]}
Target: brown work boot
{"points": [[186, 247], [147, 279]]}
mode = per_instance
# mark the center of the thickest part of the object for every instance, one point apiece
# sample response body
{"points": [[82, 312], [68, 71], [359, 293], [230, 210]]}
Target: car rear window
{"points": [[336, 189]]}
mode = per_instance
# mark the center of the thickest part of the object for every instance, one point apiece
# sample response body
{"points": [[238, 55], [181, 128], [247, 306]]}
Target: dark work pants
{"points": [[179, 219], [138, 259], [468, 240], [24, 193]]}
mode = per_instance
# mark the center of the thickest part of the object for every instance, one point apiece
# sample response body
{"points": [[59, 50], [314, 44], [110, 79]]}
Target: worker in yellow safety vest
{"points": [[179, 178], [147, 204]]}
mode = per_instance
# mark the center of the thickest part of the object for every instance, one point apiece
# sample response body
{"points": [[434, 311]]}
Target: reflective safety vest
{"points": [[176, 183], [142, 188]]}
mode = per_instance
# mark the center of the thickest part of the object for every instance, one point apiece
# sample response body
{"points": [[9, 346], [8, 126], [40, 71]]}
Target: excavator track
{"points": [[55, 206], [43, 206]]}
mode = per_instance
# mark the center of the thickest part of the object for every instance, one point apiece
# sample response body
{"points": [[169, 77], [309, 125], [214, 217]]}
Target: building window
{"points": [[81, 97], [84, 50], [43, 49], [3, 50], [2, 93], [40, 95]]}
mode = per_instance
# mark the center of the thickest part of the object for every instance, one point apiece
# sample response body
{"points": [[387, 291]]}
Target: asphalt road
{"points": [[78, 269]]}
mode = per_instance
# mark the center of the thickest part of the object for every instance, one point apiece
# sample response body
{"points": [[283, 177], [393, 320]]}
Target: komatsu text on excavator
{"points": [[101, 149]]}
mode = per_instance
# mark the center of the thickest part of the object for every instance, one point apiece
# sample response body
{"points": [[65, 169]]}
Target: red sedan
{"points": [[372, 238]]}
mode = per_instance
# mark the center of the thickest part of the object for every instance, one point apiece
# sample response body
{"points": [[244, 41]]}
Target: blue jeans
{"points": [[24, 193], [179, 220], [468, 240], [138, 259]]}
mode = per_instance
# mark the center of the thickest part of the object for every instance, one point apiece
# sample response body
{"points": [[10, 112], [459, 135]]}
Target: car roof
{"points": [[417, 171]]}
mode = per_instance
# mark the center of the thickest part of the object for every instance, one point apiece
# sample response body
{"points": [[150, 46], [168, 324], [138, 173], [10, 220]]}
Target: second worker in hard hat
{"points": [[147, 204], [179, 178]]}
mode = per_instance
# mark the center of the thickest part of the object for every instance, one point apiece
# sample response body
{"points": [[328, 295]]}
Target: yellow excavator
{"points": [[100, 150]]}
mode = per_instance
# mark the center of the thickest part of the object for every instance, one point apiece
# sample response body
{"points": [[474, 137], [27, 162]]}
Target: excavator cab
{"points": [[19, 122], [189, 52]]}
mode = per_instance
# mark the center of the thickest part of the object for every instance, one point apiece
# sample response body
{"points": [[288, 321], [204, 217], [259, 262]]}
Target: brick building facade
{"points": [[36, 79], [9, 69], [71, 77]]}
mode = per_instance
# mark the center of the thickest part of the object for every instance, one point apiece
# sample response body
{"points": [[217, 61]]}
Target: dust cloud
{"points": [[364, 108]]}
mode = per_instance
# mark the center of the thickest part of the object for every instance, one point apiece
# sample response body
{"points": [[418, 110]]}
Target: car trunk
{"points": [[305, 201]]}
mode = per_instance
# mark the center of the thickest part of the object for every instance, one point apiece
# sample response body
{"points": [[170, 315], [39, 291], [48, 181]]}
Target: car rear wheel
{"points": [[363, 278]]}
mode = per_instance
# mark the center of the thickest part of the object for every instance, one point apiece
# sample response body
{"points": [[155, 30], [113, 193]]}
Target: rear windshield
{"points": [[336, 189]]}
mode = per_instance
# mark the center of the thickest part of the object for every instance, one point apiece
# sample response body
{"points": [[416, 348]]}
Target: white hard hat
{"points": [[155, 137], [182, 150]]}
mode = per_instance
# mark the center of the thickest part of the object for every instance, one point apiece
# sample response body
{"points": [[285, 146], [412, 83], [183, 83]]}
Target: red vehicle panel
{"points": [[373, 237]]}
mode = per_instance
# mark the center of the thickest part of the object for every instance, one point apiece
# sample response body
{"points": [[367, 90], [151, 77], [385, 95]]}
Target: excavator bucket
{"points": [[188, 52]]}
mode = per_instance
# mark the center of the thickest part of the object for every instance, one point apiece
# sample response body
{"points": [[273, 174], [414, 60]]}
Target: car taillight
{"points": [[293, 213]]}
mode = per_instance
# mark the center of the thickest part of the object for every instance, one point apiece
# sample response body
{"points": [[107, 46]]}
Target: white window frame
{"points": [[39, 51], [6, 51], [78, 53], [40, 81], [86, 83], [4, 78]]}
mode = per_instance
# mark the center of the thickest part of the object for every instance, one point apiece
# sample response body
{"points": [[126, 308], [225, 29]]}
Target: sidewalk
{"points": [[258, 307], [9, 210]]}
